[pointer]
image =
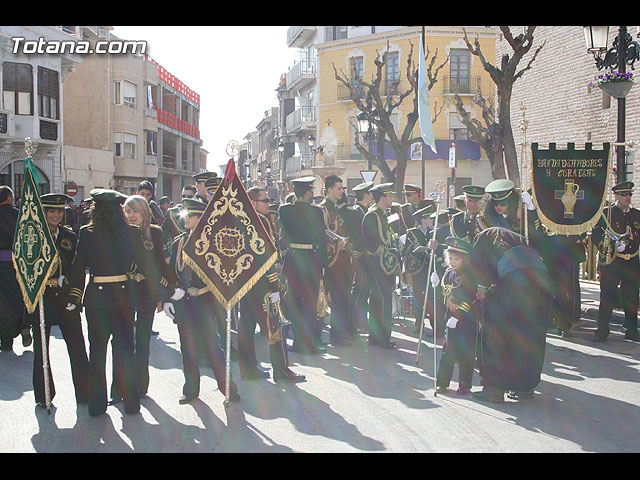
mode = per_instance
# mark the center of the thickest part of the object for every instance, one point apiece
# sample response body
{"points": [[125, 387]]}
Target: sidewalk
{"points": [[590, 292]]}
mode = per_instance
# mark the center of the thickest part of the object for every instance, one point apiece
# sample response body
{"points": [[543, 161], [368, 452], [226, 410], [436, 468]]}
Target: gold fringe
{"points": [[31, 306], [228, 304]]}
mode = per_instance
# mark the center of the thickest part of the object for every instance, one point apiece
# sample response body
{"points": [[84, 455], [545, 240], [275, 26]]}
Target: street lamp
{"points": [[625, 51], [368, 129]]}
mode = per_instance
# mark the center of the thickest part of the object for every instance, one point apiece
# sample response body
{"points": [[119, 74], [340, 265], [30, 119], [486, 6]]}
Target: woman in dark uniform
{"points": [[147, 297], [108, 246], [55, 313]]}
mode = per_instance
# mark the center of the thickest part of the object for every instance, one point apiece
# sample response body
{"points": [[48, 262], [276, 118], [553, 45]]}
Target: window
{"points": [[48, 93], [124, 93], [458, 134], [129, 145], [392, 73], [129, 94], [459, 62], [335, 33], [151, 143], [17, 88]]}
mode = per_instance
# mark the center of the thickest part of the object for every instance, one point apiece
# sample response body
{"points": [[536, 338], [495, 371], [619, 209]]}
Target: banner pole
{"points": [[45, 356], [227, 376]]}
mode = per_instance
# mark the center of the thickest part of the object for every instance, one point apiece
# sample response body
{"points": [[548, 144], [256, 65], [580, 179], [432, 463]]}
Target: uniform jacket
{"points": [[621, 223], [303, 224]]}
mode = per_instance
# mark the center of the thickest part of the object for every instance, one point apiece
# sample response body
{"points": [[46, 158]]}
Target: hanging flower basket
{"points": [[614, 83]]}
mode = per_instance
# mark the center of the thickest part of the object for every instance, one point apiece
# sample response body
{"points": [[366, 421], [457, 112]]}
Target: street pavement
{"points": [[357, 398]]}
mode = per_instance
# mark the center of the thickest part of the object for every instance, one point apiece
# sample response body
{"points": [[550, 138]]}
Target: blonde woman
{"points": [[139, 214]]}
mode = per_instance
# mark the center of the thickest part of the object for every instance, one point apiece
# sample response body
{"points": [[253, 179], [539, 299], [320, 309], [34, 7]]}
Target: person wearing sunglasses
{"points": [[624, 224]]}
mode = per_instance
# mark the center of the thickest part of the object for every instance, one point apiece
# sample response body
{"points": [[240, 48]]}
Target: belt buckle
{"points": [[192, 291]]}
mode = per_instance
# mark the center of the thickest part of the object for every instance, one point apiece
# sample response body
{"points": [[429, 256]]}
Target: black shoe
{"points": [[254, 375], [26, 338], [442, 390], [153, 332], [494, 397], [114, 401], [632, 336], [288, 376], [185, 399], [518, 395]]}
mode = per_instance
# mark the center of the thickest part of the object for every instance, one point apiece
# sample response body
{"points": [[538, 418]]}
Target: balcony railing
{"points": [[298, 163], [301, 72], [461, 84], [299, 117], [387, 87]]}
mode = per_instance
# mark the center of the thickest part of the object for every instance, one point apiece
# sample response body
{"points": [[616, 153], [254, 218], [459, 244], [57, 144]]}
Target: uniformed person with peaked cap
{"points": [[193, 309], [212, 184], [55, 313], [361, 286], [625, 267], [108, 247], [438, 246], [200, 180], [501, 208], [415, 202], [383, 264], [303, 238], [416, 262], [465, 223]]}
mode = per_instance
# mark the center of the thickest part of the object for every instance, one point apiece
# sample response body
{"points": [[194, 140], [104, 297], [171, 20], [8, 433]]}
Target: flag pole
{"points": [[45, 356], [227, 375]]}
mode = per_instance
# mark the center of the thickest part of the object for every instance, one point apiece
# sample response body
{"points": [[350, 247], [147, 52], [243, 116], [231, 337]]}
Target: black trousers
{"points": [[337, 283], [460, 348], [380, 308], [198, 330], [359, 299], [71, 329], [103, 324], [143, 325], [624, 273], [303, 284]]}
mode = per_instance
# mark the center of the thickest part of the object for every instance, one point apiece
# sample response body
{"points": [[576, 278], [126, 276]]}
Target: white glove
{"points": [[435, 279], [275, 297], [178, 293], [70, 307], [620, 246], [60, 280], [169, 310], [452, 322], [528, 201]]}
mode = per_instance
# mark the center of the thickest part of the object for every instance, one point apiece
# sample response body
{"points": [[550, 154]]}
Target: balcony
{"points": [[301, 74], [346, 152], [387, 88], [297, 36], [294, 165], [463, 85], [300, 119]]}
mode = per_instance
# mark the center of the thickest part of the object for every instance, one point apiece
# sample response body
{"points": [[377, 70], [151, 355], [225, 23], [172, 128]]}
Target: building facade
{"points": [[131, 109], [560, 106], [322, 107], [32, 99]]}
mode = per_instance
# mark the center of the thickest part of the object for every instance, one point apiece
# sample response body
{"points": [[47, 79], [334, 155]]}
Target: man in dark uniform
{"points": [[303, 238], [108, 246], [145, 189], [338, 274], [414, 203], [11, 303], [439, 267], [465, 224], [201, 189], [417, 260], [383, 264], [252, 306], [193, 313], [212, 184], [85, 216], [55, 312], [361, 286], [624, 269]]}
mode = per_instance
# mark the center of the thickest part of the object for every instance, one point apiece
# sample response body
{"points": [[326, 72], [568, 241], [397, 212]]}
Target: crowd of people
{"points": [[488, 276]]}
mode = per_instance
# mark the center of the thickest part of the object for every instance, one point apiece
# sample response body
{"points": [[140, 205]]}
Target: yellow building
{"points": [[337, 127]]}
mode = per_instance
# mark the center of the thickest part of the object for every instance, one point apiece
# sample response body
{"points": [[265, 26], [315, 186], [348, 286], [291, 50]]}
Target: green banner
{"points": [[35, 255]]}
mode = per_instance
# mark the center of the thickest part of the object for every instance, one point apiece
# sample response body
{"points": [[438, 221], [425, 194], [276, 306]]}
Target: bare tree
{"points": [[495, 135], [385, 99]]}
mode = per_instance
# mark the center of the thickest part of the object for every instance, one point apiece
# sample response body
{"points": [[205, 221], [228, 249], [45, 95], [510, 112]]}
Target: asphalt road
{"points": [[357, 399]]}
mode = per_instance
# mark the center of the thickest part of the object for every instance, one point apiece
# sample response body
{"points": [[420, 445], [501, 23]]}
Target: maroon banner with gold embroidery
{"points": [[230, 249]]}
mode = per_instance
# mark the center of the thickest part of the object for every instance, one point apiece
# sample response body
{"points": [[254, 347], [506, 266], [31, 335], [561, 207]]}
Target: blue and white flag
{"points": [[424, 106]]}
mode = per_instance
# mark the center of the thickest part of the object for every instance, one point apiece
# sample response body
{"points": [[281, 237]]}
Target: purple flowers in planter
{"points": [[612, 76]]}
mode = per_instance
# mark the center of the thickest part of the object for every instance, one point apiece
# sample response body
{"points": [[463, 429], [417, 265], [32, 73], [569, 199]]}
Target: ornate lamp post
{"points": [[625, 51]]}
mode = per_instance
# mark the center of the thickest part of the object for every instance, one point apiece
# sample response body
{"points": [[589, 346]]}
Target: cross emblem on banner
{"points": [[569, 196]]}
